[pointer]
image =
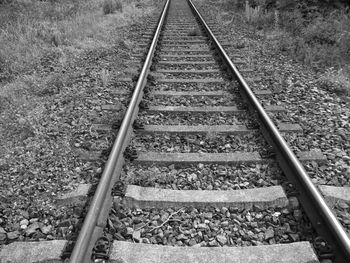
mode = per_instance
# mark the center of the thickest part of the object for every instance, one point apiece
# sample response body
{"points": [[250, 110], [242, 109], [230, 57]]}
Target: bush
{"points": [[292, 22], [110, 6], [321, 32]]}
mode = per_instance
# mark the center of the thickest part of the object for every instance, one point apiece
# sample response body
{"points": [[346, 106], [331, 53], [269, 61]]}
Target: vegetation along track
{"points": [[202, 173]]}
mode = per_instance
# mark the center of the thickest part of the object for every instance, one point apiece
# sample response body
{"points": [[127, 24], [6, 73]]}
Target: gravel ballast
{"points": [[204, 177], [192, 119], [43, 147], [209, 227], [200, 143]]}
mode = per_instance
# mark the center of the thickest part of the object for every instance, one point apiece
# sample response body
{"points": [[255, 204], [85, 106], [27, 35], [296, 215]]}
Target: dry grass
{"points": [[252, 14], [336, 81], [318, 41], [36, 32], [110, 6], [28, 29], [105, 77]]}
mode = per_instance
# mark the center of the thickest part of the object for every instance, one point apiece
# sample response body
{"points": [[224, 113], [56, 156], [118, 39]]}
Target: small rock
{"points": [[224, 210], [221, 239], [64, 223], [146, 241], [13, 235], [248, 217], [24, 222], [161, 234], [2, 236], [208, 215], [181, 237], [46, 229], [202, 226], [342, 205], [136, 235], [192, 242], [259, 216], [286, 227], [330, 156], [32, 229], [250, 234], [129, 231], [346, 158], [136, 220], [269, 233], [276, 214], [213, 243], [254, 224], [25, 214], [224, 224], [346, 221], [257, 208], [156, 217]]}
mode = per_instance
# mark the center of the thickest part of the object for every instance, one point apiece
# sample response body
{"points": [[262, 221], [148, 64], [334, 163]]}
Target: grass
{"points": [[110, 6], [105, 77], [28, 29], [319, 39], [335, 81], [38, 39], [252, 14]]}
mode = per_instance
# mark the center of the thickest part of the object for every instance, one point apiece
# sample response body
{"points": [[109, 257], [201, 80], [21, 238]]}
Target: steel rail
{"points": [[314, 205], [81, 246]]}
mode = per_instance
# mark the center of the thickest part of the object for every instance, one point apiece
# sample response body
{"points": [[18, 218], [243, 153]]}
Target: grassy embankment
{"points": [[33, 33], [312, 32]]}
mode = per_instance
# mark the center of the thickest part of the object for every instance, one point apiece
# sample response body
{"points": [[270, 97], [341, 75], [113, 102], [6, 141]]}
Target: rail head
{"points": [[315, 206], [81, 253]]}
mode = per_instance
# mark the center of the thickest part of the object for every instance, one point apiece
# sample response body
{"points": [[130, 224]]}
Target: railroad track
{"points": [[199, 171]]}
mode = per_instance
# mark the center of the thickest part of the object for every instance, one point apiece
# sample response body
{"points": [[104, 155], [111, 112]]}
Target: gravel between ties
{"points": [[204, 176], [208, 227], [211, 143], [185, 118], [228, 100]]}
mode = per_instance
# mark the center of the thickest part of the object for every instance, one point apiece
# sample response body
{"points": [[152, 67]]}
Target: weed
{"points": [[252, 13], [110, 6], [321, 31], [335, 81], [105, 77]]}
